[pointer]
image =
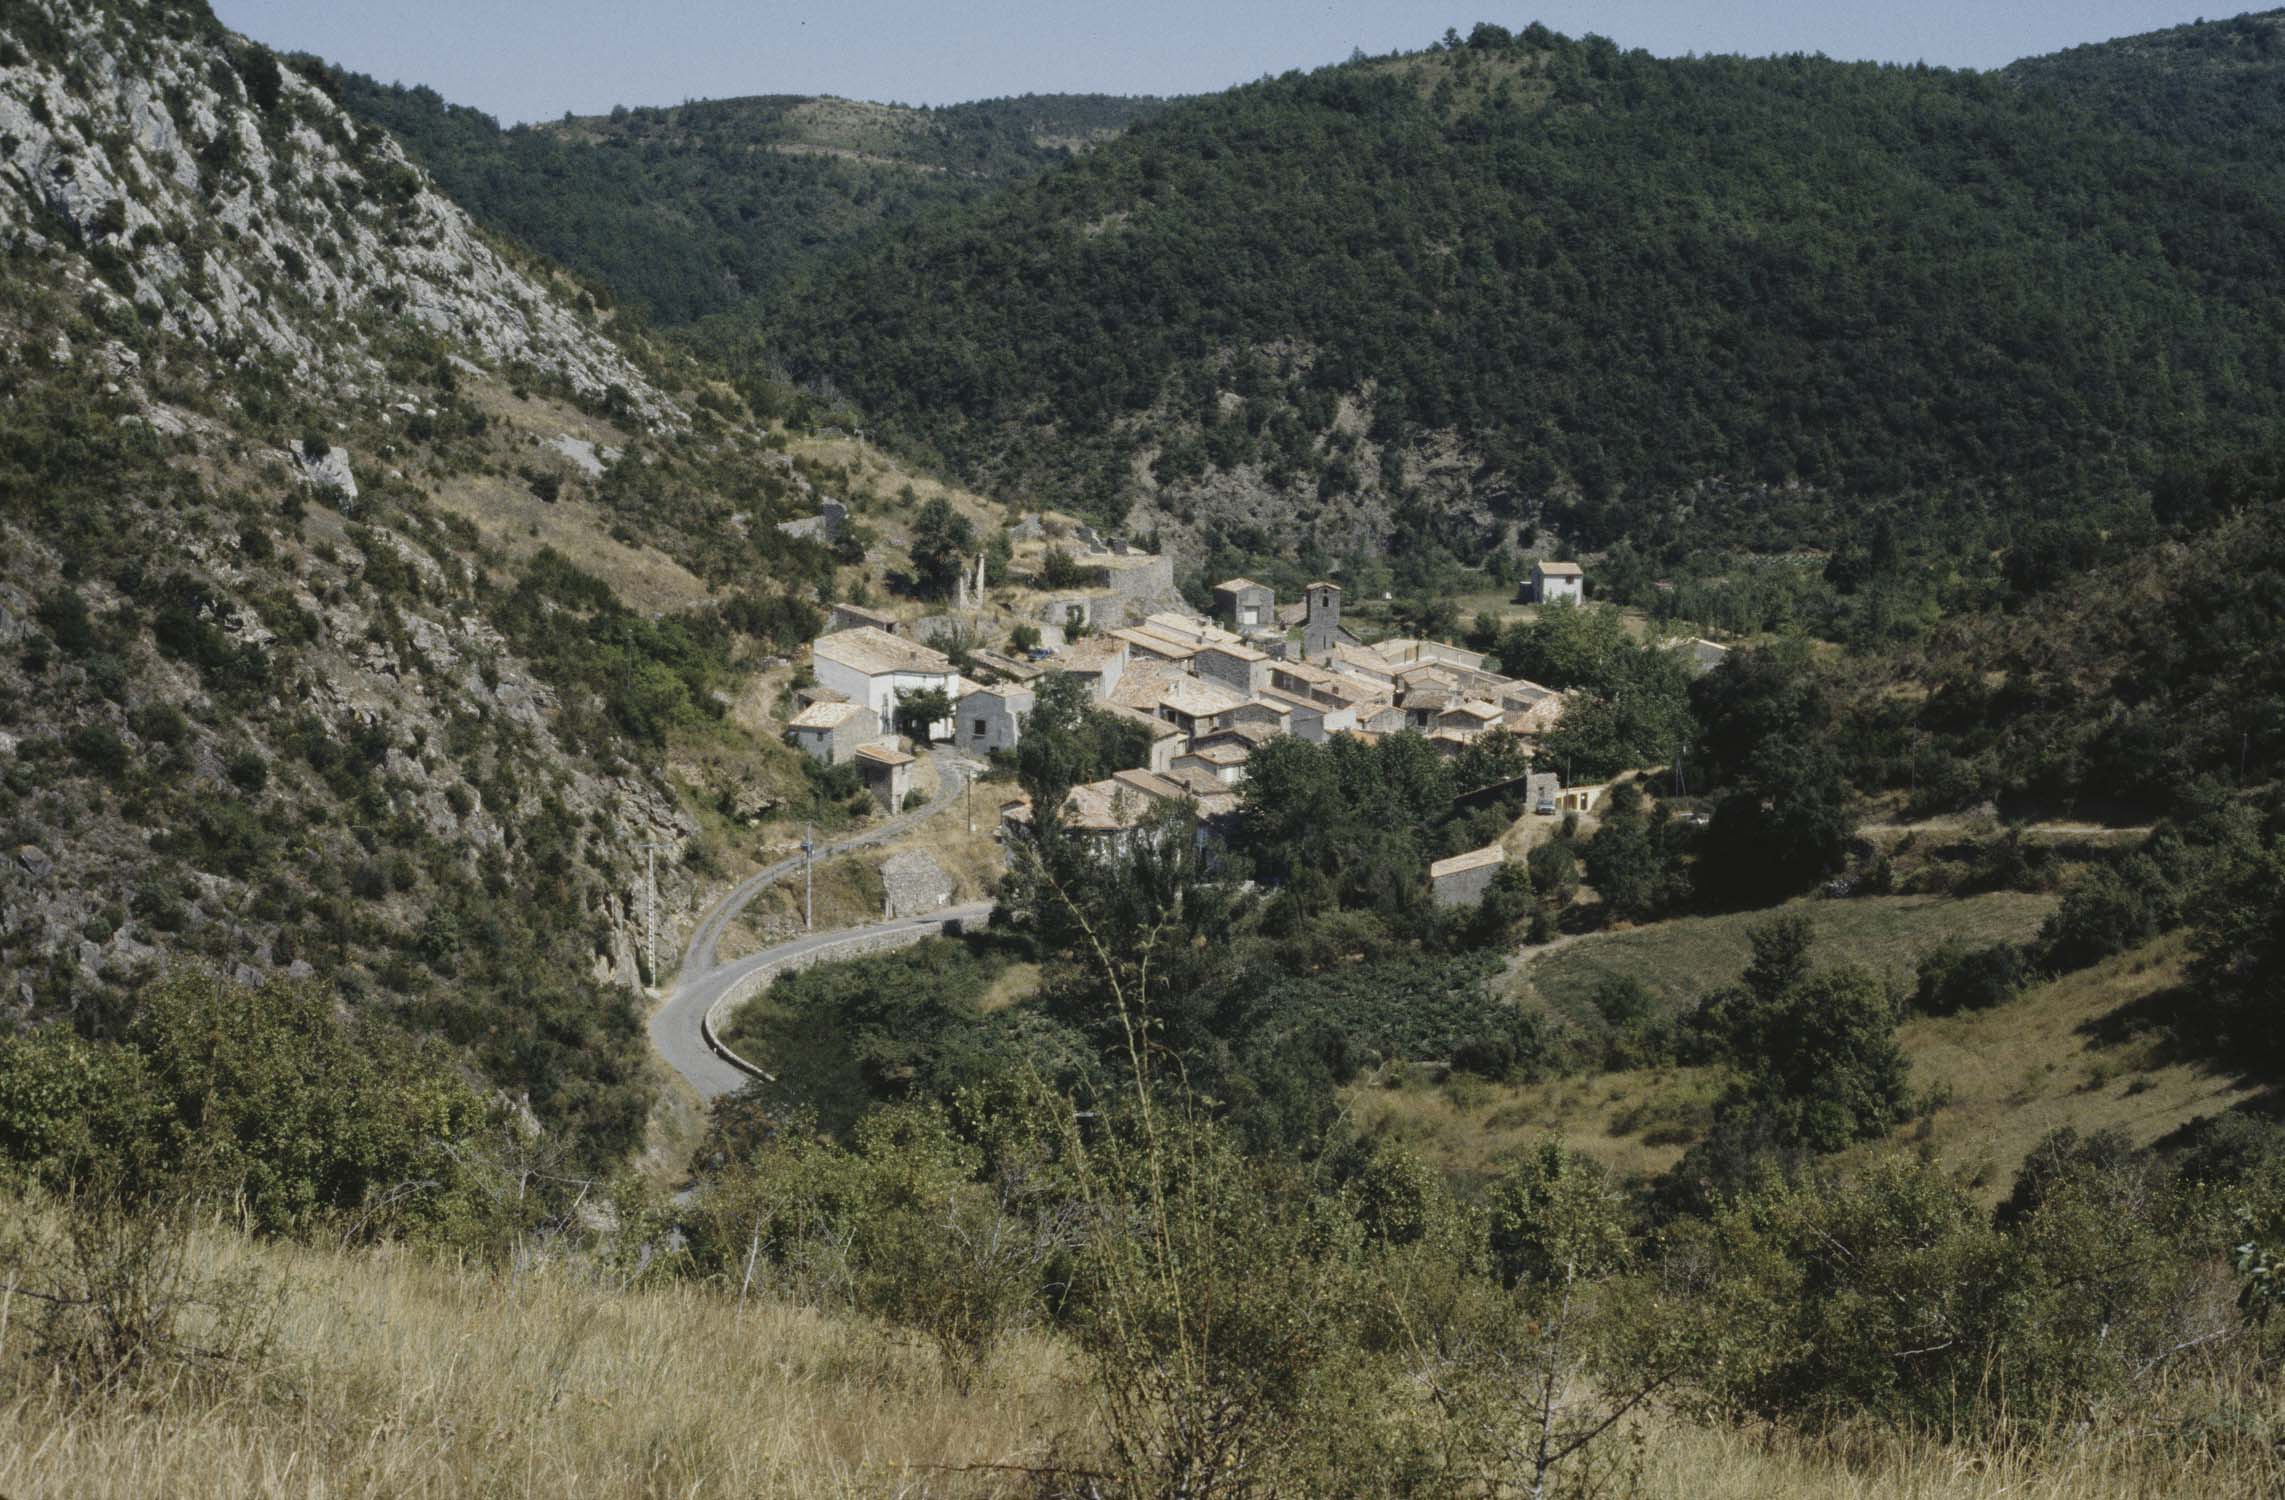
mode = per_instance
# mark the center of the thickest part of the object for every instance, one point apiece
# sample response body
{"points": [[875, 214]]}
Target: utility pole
{"points": [[971, 804], [808, 885]]}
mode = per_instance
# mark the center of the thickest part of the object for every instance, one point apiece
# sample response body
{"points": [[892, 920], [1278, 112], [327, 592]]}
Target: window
{"points": [[980, 730]]}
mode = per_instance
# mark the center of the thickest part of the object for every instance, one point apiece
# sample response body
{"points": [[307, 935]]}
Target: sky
{"points": [[535, 59]]}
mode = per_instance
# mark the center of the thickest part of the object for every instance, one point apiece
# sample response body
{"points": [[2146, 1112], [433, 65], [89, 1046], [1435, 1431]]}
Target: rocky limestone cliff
{"points": [[226, 199], [264, 705]]}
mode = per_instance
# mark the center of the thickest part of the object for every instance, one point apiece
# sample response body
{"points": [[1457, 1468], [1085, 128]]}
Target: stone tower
{"points": [[1321, 630]]}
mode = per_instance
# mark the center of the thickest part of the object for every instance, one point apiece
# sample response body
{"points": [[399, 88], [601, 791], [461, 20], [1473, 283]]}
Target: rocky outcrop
{"points": [[224, 198]]}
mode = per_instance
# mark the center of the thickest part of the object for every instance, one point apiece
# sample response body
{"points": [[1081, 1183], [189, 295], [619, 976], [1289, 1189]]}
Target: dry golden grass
{"points": [[2009, 1076], [2122, 1462], [398, 1376], [508, 516], [1686, 958], [2026, 1068]]}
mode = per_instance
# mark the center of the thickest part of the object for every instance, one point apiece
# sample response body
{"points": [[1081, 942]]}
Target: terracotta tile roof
{"points": [[1158, 727], [1199, 698], [1090, 653], [883, 755], [1560, 569], [1474, 859], [825, 715], [876, 653]]}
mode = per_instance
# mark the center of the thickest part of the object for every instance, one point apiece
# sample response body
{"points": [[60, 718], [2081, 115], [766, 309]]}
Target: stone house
{"points": [[1308, 719], [1243, 605], [1580, 799], [832, 732], [1223, 760], [1470, 718], [1463, 879], [991, 718], [826, 526], [1558, 583], [913, 885], [1246, 737], [1242, 669], [1166, 741], [851, 616], [1156, 645], [1099, 660], [868, 665], [1265, 711], [1378, 718], [1196, 706], [887, 773]]}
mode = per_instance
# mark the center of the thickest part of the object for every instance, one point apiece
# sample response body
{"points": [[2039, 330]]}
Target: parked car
{"points": [[1546, 807]]}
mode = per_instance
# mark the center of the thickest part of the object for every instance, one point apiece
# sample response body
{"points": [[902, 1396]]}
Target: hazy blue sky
{"points": [[529, 59]]}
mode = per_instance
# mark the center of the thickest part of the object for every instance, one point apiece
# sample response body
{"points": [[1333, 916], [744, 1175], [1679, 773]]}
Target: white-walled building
{"points": [[1558, 583], [871, 667]]}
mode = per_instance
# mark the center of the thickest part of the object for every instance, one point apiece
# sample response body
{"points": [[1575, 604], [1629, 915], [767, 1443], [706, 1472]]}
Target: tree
{"points": [[1633, 862], [2240, 946], [1068, 740], [942, 539], [1815, 1049], [1784, 821], [918, 709], [1554, 875]]}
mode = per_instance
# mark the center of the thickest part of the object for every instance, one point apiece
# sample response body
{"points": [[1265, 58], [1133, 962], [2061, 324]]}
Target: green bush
{"points": [[261, 1098], [1956, 978]]}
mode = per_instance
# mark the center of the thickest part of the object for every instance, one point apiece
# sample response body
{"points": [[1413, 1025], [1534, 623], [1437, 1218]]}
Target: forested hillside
{"points": [[691, 210], [1688, 301]]}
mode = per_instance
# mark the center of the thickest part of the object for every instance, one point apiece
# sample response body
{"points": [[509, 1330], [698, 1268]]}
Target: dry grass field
{"points": [[1686, 958], [2063, 1054], [396, 1375]]}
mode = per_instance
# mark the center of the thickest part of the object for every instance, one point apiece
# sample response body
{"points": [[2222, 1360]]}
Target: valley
{"points": [[1509, 769]]}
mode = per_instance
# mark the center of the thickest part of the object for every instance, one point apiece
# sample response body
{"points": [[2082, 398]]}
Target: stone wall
{"points": [[914, 885]]}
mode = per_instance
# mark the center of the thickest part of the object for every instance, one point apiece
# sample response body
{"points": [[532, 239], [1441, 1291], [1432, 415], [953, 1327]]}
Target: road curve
{"points": [[702, 955], [678, 1028]]}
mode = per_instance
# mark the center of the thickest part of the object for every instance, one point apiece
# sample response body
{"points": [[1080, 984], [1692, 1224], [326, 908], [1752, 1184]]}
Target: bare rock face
{"points": [[328, 471], [249, 216]]}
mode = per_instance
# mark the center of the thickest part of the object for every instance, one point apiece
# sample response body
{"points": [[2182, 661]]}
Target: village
{"points": [[1205, 693]]}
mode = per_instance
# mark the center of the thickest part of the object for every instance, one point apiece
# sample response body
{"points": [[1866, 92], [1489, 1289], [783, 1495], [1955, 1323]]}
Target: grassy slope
{"points": [[396, 1375], [2065, 1053], [1684, 959]]}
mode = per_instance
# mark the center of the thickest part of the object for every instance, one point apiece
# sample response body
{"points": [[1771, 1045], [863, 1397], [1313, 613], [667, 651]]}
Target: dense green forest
{"points": [[1682, 300], [690, 210]]}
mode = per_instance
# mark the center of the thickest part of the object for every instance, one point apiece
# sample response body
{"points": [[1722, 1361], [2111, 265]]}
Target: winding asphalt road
{"points": [[678, 1026], [700, 958]]}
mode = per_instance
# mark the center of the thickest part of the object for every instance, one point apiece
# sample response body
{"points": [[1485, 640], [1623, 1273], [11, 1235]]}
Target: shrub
{"points": [[99, 748], [1956, 978]]}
